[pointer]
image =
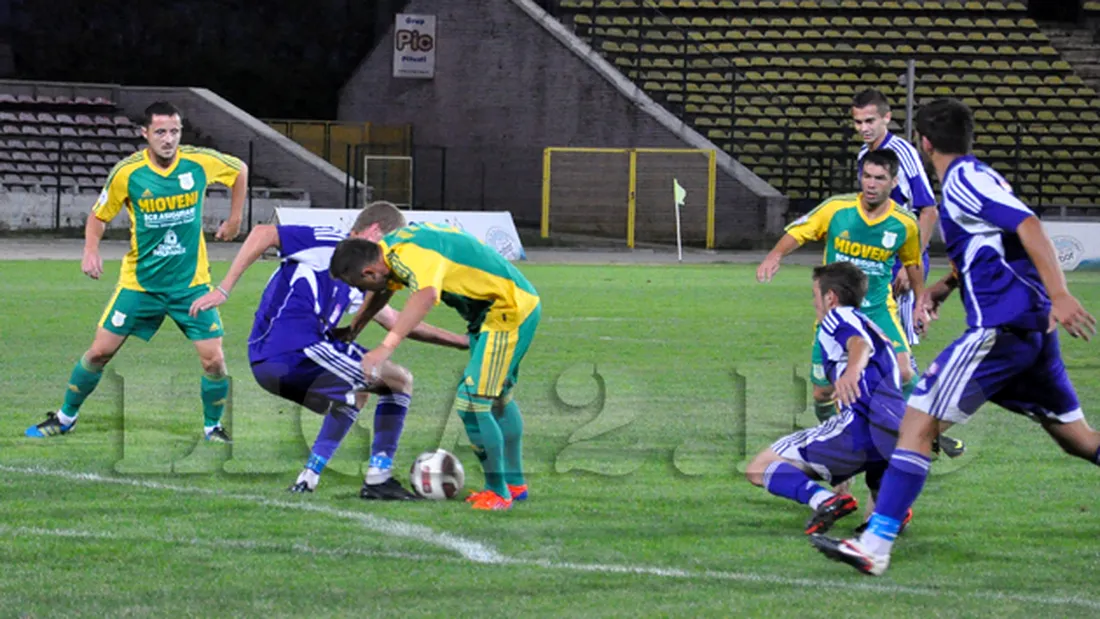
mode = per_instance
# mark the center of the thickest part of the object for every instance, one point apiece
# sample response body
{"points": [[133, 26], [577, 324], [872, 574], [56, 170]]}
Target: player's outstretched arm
{"points": [[416, 308], [1065, 309], [770, 265], [375, 303], [231, 227], [926, 221], [916, 284], [937, 293], [92, 264], [424, 332], [847, 384], [262, 238]]}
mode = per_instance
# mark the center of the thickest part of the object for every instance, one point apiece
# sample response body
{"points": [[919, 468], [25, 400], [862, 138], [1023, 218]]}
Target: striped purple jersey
{"points": [[880, 399], [301, 302], [979, 216]]}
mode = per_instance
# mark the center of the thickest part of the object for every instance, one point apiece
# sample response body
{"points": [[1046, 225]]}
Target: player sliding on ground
{"points": [[502, 309], [859, 361], [163, 189], [298, 352], [1015, 296]]}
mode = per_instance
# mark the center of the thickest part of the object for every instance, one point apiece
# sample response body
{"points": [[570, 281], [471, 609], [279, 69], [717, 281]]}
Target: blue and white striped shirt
{"points": [[979, 216], [301, 302], [880, 397]]}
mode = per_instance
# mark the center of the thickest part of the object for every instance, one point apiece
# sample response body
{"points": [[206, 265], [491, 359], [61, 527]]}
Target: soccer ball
{"points": [[437, 475]]}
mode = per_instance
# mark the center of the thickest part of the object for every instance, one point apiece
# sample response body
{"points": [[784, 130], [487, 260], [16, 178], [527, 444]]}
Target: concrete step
{"points": [[1074, 56]]}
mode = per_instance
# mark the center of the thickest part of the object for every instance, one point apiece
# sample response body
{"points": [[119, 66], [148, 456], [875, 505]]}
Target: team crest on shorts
{"points": [[118, 319], [888, 239], [187, 181]]}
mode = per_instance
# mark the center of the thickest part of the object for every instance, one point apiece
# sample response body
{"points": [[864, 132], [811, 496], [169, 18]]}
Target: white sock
{"points": [[377, 476], [820, 497], [209, 429], [309, 476], [65, 419], [875, 544]]}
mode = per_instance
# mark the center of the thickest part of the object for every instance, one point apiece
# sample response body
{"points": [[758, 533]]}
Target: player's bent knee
{"points": [[397, 378], [754, 472], [214, 365], [917, 431]]}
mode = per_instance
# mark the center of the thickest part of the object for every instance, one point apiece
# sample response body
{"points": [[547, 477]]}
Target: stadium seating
{"points": [[60, 143], [771, 81]]}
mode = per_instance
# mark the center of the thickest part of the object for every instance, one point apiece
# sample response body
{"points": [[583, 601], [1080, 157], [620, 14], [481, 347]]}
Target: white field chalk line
{"points": [[469, 549], [485, 555]]}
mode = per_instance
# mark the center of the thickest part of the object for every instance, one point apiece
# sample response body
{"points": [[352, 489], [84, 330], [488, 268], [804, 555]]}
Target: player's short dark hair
{"points": [[844, 279], [873, 97], [883, 157], [351, 256], [948, 124], [385, 214], [159, 108]]}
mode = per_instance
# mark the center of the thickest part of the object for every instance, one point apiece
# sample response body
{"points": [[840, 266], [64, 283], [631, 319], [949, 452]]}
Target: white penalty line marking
{"points": [[477, 552]]}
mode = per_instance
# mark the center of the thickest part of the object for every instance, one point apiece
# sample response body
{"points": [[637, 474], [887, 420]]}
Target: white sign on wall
{"points": [[494, 228], [414, 46], [1076, 243]]}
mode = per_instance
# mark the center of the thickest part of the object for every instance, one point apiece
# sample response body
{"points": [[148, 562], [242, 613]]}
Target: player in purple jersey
{"points": [[298, 351], [871, 116], [1015, 296], [860, 363]]}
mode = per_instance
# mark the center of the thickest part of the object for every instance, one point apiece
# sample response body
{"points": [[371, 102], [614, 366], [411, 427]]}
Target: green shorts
{"points": [[886, 318], [495, 355], [130, 312]]}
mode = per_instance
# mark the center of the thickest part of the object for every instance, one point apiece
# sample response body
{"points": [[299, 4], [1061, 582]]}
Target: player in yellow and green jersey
{"points": [[162, 189], [871, 231], [501, 308]]}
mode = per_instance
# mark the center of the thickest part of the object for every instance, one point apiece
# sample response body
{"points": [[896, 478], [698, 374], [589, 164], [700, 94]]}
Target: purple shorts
{"points": [[1020, 370], [843, 446], [324, 373]]}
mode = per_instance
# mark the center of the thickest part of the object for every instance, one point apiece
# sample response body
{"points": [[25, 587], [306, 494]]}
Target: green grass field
{"points": [[644, 392]]}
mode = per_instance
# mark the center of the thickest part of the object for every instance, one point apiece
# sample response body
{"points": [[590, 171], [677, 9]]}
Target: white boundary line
{"points": [[479, 553], [469, 549]]}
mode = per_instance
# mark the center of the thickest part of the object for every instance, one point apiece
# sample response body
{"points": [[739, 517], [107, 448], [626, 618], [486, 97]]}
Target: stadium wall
{"points": [[509, 81]]}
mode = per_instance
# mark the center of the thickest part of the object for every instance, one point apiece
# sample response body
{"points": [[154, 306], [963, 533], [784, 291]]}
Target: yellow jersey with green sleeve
{"points": [[167, 248], [871, 244], [485, 288]]}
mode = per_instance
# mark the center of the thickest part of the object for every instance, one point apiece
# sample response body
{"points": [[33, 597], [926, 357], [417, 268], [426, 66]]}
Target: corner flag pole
{"points": [[680, 194]]}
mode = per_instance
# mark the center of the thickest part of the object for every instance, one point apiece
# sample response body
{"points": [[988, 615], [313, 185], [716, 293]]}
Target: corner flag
{"points": [[680, 194]]}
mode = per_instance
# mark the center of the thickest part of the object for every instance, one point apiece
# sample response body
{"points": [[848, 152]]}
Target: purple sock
{"points": [[333, 430], [389, 421], [1096, 458], [788, 481], [902, 483]]}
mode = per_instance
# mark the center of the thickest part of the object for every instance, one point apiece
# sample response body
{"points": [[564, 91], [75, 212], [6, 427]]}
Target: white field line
{"points": [[474, 551], [479, 553]]}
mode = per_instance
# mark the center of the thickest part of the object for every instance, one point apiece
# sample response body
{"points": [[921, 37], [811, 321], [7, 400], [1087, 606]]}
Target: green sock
{"points": [[215, 391], [469, 420], [908, 387], [511, 427], [492, 440], [824, 410], [82, 383]]}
